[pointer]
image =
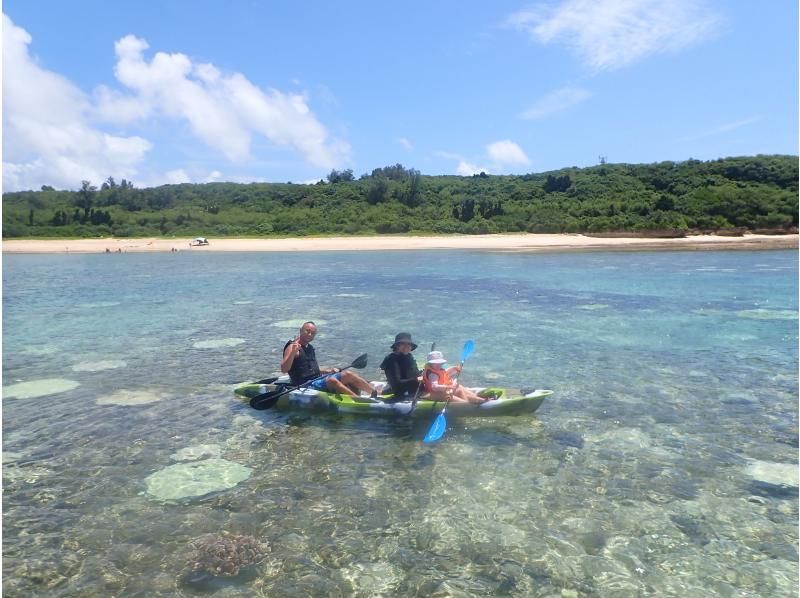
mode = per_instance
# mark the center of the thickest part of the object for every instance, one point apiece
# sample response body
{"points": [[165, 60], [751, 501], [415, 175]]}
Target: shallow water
{"points": [[665, 462]]}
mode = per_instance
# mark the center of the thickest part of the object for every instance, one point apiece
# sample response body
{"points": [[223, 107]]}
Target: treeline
{"points": [[754, 193]]}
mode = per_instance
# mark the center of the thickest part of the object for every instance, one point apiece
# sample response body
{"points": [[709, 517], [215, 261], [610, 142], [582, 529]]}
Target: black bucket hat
{"points": [[404, 337]]}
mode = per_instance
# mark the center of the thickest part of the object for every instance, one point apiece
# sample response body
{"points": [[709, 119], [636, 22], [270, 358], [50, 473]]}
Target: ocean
{"points": [[665, 463]]}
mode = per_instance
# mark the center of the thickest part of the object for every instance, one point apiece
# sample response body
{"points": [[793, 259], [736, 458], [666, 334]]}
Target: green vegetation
{"points": [[745, 193]]}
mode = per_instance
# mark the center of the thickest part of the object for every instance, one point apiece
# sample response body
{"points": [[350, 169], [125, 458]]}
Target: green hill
{"points": [[753, 193]]}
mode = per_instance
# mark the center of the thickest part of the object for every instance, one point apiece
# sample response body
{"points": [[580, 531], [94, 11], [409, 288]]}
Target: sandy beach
{"points": [[501, 242]]}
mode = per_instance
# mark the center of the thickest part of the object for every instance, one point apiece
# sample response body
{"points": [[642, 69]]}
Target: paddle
{"points": [[440, 423], [419, 386], [268, 400]]}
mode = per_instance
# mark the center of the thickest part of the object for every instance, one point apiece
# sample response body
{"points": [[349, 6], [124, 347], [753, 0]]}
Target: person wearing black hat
{"points": [[400, 367]]}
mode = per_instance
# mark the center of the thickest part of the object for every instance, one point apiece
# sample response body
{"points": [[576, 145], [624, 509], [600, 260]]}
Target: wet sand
{"points": [[501, 242]]}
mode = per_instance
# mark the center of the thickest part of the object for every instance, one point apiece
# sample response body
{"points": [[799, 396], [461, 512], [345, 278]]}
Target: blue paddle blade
{"points": [[469, 347], [437, 429]]}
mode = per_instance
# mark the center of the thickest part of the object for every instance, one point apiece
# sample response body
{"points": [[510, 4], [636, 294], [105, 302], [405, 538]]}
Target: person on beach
{"points": [[300, 362], [400, 367], [439, 382]]}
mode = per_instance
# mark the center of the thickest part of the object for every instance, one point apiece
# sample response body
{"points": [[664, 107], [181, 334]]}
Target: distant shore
{"points": [[500, 242]]}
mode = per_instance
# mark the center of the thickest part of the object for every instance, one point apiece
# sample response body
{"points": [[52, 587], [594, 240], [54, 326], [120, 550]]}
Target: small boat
{"points": [[501, 402]]}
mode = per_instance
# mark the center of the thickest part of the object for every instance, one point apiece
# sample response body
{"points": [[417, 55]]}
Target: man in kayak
{"points": [[439, 381], [300, 362], [400, 367]]}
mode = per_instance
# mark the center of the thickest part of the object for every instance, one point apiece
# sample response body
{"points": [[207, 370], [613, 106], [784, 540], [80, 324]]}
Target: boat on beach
{"points": [[500, 402]]}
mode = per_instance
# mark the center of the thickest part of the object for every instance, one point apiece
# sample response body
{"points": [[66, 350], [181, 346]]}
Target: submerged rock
{"points": [[38, 388], [195, 479], [777, 474], [98, 366], [129, 397], [226, 554]]}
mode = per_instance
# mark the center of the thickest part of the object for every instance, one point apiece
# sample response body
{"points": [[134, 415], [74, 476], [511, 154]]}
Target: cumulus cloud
{"points": [[500, 155], [556, 101], [405, 143], [465, 168], [48, 137], [53, 131], [224, 111], [506, 153], [610, 34]]}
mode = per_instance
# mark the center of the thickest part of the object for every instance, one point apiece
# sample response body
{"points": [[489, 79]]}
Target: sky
{"points": [[196, 91]]}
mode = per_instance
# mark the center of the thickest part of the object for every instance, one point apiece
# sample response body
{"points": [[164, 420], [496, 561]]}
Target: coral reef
{"points": [[226, 554]]}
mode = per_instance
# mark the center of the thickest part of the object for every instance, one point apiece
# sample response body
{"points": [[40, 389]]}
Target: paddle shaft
{"points": [[419, 386]]}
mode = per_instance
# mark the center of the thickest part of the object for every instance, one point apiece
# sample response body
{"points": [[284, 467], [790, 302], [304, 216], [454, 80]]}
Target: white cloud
{"points": [[610, 34], [176, 177], [52, 130], [465, 168], [506, 152], [405, 143], [556, 101], [47, 135], [499, 156], [222, 110], [727, 127]]}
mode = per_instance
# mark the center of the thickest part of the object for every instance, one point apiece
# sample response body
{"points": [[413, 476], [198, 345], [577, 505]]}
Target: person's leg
{"points": [[443, 396], [356, 381], [469, 396], [333, 384]]}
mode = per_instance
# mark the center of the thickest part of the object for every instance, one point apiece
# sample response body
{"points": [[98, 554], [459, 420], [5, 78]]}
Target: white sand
{"points": [[501, 242]]}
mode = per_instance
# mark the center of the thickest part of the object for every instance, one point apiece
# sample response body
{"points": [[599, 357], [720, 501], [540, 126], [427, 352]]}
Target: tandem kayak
{"points": [[503, 402]]}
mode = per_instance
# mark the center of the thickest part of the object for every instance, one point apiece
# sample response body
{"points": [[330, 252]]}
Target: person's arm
{"points": [[291, 351]]}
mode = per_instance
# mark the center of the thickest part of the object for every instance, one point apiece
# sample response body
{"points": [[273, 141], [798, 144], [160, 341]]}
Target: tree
{"points": [[343, 176], [85, 198]]}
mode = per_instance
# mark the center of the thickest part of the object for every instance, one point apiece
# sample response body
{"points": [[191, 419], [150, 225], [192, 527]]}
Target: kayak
{"points": [[501, 402]]}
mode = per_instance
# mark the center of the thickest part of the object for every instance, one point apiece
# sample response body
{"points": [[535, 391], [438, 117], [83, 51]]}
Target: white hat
{"points": [[436, 357]]}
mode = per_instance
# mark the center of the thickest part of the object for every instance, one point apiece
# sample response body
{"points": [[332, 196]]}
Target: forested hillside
{"points": [[751, 193]]}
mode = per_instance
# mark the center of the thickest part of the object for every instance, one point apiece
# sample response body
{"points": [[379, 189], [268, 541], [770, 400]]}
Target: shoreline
{"points": [[516, 242]]}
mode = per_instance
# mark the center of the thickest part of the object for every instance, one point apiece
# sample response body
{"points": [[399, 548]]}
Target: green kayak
{"points": [[502, 402]]}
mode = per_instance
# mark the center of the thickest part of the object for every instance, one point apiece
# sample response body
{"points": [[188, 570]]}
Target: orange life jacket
{"points": [[442, 377]]}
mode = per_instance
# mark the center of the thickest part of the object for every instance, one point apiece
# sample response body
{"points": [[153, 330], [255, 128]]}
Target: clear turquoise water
{"points": [[665, 462]]}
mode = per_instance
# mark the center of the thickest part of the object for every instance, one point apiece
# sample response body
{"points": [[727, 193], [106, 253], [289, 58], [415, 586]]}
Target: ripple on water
{"points": [[200, 451], [97, 304], [38, 388], [219, 343], [130, 397], [98, 366], [40, 350], [767, 314], [374, 579], [295, 323]]}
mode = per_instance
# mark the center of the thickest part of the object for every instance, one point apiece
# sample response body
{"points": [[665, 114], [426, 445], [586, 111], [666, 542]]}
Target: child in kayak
{"points": [[439, 381], [400, 367]]}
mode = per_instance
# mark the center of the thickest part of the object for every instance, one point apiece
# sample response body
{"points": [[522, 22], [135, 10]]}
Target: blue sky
{"points": [[175, 91]]}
